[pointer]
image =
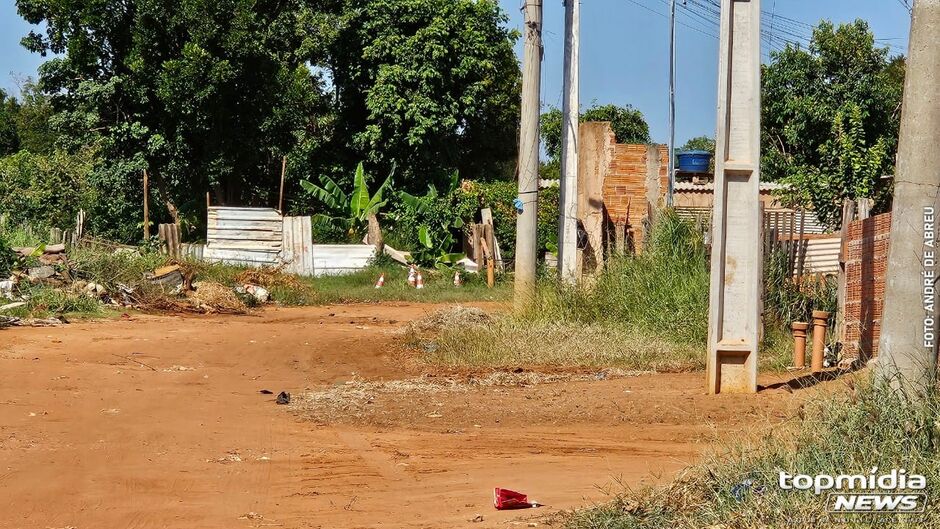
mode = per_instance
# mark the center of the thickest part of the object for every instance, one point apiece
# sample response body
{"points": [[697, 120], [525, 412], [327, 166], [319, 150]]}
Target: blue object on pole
{"points": [[517, 203], [694, 161]]}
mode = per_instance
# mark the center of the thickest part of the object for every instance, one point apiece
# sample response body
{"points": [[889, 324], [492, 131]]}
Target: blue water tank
{"points": [[694, 161]]}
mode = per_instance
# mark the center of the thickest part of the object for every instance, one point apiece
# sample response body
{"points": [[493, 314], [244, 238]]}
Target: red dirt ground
{"points": [[158, 422]]}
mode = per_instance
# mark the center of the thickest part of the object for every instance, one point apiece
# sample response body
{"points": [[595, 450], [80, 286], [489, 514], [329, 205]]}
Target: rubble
{"points": [[167, 276], [260, 294], [6, 289], [39, 273]]}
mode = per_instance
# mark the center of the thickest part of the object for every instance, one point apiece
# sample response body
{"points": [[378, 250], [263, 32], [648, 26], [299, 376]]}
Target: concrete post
{"points": [[908, 345], [571, 116], [527, 222], [735, 291]]}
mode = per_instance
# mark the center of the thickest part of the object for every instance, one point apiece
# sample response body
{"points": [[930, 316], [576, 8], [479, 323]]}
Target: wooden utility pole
{"points": [[734, 324], [146, 206], [907, 351], [527, 221], [571, 110]]}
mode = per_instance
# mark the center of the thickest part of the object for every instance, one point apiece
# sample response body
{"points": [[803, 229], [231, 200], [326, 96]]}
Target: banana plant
{"points": [[435, 253], [422, 203], [351, 212]]}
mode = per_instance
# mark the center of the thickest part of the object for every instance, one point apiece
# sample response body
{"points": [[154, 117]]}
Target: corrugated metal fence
{"points": [[297, 246], [262, 237], [252, 236]]}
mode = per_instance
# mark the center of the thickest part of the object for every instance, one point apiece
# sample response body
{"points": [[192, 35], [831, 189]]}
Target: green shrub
{"points": [[7, 259], [499, 197], [786, 300], [46, 190]]}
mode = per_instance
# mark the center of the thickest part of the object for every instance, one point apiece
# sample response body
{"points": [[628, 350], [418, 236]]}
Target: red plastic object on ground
{"points": [[506, 499]]}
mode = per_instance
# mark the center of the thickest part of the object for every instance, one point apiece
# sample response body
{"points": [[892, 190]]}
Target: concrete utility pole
{"points": [[908, 345], [568, 216], [527, 222], [672, 103], [735, 289]]}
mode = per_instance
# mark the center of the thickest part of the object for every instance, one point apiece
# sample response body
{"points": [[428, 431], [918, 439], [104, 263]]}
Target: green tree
{"points": [[430, 84], [628, 124], [700, 143], [836, 101], [33, 118], [47, 190], [849, 168], [204, 94], [9, 139]]}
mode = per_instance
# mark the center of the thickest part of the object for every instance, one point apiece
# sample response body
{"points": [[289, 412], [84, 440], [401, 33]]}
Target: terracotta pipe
{"points": [[799, 343], [820, 322]]}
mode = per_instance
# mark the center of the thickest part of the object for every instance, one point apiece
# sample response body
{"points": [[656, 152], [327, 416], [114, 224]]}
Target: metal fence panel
{"points": [[248, 236], [297, 253]]}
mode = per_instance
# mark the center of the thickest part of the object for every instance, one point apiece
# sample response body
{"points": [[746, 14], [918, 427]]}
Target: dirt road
{"points": [[151, 422]]}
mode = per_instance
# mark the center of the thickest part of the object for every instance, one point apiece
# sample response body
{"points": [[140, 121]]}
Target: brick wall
{"points": [[626, 185], [865, 263]]}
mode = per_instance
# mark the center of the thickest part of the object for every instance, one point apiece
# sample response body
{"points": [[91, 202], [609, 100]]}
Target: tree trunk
{"points": [[375, 235], [170, 206]]}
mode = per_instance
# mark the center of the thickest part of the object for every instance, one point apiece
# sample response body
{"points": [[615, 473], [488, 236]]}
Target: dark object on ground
{"points": [[283, 398], [167, 276], [266, 392]]}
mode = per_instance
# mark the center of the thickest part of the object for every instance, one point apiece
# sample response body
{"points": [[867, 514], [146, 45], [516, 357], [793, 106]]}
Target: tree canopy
{"points": [[210, 95], [430, 84], [628, 124], [831, 117]]}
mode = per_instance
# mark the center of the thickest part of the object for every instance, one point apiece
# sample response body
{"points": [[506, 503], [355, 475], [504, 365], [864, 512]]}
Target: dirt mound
{"points": [[215, 298], [451, 317], [268, 277]]}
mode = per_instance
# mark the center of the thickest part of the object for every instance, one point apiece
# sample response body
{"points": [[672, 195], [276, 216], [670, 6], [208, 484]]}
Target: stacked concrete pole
{"points": [[568, 214], [527, 221], [735, 286], [908, 345]]}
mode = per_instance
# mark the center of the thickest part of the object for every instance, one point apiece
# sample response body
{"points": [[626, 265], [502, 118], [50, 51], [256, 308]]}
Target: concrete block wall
{"points": [[865, 272]]}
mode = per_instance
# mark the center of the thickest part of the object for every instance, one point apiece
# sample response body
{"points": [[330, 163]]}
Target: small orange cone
{"points": [[412, 275], [381, 282], [419, 281], [458, 281]]}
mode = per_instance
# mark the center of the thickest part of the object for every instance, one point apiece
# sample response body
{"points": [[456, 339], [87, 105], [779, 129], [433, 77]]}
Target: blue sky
{"points": [[624, 50]]}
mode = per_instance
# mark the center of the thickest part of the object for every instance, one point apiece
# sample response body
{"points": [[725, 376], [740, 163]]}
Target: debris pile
{"points": [[172, 287]]}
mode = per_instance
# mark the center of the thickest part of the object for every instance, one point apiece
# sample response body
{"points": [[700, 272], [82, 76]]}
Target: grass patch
{"points": [[508, 342], [648, 312], [848, 432], [439, 287], [44, 302]]}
